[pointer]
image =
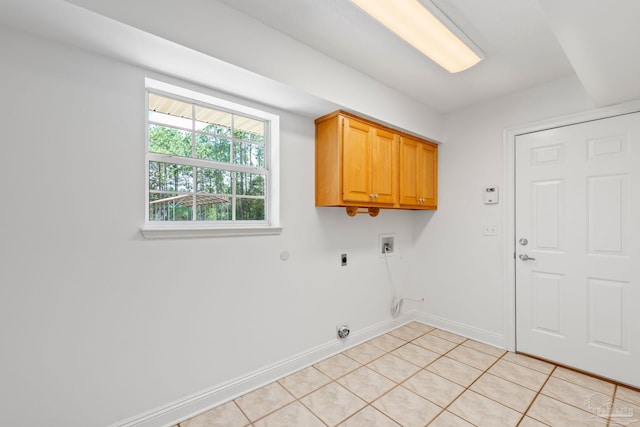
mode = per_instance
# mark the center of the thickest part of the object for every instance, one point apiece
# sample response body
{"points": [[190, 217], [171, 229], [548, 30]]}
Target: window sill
{"points": [[163, 232]]}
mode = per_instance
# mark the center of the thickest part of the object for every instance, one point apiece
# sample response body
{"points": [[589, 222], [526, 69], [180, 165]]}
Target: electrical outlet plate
{"points": [[490, 230], [386, 240]]}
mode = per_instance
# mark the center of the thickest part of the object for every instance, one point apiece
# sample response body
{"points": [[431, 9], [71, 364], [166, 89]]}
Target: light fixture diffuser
{"points": [[411, 21]]}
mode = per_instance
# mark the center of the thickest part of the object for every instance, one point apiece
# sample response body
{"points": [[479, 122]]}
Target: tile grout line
{"points": [[243, 413], [469, 386], [399, 384], [419, 370], [536, 396], [311, 411], [486, 371], [395, 385], [579, 371], [615, 388], [335, 380], [461, 393], [613, 399], [458, 344]]}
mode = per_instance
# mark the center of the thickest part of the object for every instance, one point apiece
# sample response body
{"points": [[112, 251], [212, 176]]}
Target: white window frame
{"points": [[182, 229]]}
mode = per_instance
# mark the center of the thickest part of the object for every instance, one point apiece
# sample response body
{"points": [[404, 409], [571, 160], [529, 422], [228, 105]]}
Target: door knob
{"points": [[525, 257]]}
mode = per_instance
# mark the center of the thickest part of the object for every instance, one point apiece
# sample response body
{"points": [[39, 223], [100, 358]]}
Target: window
{"points": [[210, 165]]}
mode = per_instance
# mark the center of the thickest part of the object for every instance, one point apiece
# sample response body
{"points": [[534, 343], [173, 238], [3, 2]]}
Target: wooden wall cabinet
{"points": [[418, 174], [369, 164], [362, 164]]}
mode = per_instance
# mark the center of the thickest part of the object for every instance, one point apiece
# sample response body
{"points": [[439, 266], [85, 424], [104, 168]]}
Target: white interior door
{"points": [[578, 222]]}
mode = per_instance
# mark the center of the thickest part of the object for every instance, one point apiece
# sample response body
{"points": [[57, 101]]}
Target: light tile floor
{"points": [[417, 375]]}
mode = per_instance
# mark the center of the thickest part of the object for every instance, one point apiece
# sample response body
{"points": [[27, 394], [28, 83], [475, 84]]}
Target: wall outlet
{"points": [[490, 230], [386, 244]]}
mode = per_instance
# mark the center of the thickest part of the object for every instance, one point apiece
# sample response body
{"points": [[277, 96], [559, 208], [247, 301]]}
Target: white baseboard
{"points": [[467, 331], [171, 414]]}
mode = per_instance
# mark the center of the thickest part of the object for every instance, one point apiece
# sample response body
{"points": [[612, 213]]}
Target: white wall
{"points": [[99, 324], [461, 269], [256, 47]]}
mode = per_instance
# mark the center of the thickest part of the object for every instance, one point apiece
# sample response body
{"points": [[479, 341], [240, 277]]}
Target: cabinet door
{"points": [[418, 177], [427, 168], [408, 171], [384, 166], [356, 146]]}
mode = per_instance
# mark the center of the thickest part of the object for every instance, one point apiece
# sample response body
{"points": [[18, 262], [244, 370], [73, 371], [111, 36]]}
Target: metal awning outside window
{"points": [[202, 199]]}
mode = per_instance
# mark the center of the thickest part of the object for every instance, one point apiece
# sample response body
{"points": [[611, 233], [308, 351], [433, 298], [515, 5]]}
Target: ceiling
{"points": [[501, 28], [291, 42], [526, 43]]}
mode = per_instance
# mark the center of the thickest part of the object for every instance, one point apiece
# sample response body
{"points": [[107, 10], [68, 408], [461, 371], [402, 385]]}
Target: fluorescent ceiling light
{"points": [[418, 26]]}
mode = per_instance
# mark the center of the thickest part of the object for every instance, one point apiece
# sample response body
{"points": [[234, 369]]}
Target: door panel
{"points": [[418, 174], [356, 148], [546, 302], [578, 274], [606, 315], [409, 171], [384, 181], [427, 177], [607, 214], [548, 197]]}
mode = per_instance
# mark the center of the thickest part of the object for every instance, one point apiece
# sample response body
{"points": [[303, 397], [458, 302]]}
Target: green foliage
{"points": [[249, 209], [166, 140], [170, 177], [214, 144]]}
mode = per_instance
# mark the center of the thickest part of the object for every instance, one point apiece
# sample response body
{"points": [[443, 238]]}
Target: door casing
{"points": [[508, 204]]}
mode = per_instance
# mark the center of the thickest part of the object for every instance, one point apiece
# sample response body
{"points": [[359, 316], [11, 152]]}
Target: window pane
{"points": [[172, 121], [170, 111], [166, 140], [212, 141], [248, 154], [213, 121], [214, 181], [249, 209], [213, 148], [170, 177], [249, 184], [213, 208], [248, 129], [170, 106], [170, 207]]}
